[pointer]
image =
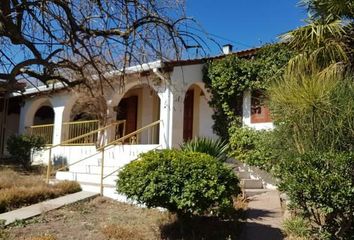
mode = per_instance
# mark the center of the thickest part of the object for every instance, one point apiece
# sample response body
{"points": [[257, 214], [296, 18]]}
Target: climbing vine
{"points": [[229, 77]]}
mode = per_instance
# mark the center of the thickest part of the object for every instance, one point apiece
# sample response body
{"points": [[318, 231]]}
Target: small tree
{"points": [[185, 183], [320, 186], [20, 148]]}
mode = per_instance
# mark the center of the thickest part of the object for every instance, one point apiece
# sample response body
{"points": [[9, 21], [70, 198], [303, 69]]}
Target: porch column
{"points": [[246, 108], [58, 122], [166, 116], [24, 117]]}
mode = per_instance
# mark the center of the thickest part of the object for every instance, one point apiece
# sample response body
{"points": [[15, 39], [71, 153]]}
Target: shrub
{"points": [[215, 148], [186, 183], [252, 147], [321, 186], [20, 148], [297, 227]]}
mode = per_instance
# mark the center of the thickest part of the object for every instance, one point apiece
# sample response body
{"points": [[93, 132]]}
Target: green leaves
{"points": [[228, 78], [321, 185], [252, 147], [20, 147], [215, 148], [186, 183]]}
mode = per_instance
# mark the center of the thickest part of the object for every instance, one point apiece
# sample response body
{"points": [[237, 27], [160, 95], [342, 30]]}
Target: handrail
{"points": [[130, 135], [111, 145], [110, 174], [88, 134], [42, 125], [102, 150], [74, 139], [79, 122]]}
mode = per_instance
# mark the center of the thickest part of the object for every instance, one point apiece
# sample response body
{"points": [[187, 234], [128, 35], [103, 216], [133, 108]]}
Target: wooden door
{"points": [[188, 115], [128, 110]]}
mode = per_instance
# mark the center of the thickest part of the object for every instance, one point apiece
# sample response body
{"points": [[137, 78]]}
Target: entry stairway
{"points": [[253, 181], [96, 169]]}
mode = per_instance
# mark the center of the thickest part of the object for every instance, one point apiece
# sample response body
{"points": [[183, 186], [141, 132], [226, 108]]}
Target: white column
{"points": [[246, 109], [166, 117], [23, 118], [58, 122]]}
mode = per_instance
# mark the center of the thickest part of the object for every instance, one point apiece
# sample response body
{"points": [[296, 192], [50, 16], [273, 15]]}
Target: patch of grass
{"points": [[121, 232], [297, 228], [103, 218], [10, 178], [44, 237], [18, 190]]}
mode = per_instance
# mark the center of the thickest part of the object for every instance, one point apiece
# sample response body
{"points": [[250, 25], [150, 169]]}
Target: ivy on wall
{"points": [[229, 77]]}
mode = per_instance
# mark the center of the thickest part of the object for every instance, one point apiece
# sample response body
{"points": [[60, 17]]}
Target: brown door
{"points": [[128, 110], [188, 116]]}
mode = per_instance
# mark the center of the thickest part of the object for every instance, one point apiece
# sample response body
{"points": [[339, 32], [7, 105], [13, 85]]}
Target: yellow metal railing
{"points": [[101, 150], [44, 131], [67, 142], [74, 129]]}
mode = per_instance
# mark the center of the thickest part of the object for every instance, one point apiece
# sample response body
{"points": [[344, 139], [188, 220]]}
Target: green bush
{"points": [[297, 227], [20, 148], [321, 186], [185, 183], [215, 148], [252, 147]]}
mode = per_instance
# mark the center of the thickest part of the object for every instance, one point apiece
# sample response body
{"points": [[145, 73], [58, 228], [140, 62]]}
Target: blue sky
{"points": [[247, 23]]}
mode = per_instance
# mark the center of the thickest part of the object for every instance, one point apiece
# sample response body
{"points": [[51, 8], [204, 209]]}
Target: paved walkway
{"points": [[39, 208], [264, 217]]}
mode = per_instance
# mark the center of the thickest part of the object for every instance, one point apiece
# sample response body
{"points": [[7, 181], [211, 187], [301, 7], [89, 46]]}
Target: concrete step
{"points": [[253, 192], [85, 177], [252, 183], [108, 191], [93, 169], [243, 175]]}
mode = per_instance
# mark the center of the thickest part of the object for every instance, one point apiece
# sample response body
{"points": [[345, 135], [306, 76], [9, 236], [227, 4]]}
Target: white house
{"points": [[162, 105]]}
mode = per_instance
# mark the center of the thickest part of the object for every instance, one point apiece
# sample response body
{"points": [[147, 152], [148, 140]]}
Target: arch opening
{"points": [[138, 107], [44, 115], [43, 123], [194, 105]]}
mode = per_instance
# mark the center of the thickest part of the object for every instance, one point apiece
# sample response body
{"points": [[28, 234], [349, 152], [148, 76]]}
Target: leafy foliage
{"points": [[215, 148], [321, 185], [317, 112], [20, 148], [186, 183], [297, 227], [228, 78], [330, 9], [252, 147]]}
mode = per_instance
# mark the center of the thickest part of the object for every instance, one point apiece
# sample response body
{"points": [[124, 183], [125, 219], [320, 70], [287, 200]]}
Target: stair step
{"points": [[243, 175], [253, 192], [85, 177], [93, 169], [108, 191], [252, 183]]}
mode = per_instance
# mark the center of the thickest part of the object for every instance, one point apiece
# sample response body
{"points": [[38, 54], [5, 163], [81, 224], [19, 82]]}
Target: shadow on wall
{"points": [[59, 162]]}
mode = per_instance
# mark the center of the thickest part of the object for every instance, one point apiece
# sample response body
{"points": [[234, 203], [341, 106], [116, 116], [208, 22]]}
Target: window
{"points": [[259, 110]]}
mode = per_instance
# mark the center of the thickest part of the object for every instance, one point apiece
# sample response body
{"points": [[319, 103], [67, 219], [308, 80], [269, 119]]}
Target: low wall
{"points": [[115, 156]]}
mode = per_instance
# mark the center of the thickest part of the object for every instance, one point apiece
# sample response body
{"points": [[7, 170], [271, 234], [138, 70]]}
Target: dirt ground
{"points": [[102, 218]]}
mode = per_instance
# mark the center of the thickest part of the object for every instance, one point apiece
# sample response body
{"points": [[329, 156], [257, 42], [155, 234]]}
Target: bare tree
{"points": [[50, 40], [77, 41]]}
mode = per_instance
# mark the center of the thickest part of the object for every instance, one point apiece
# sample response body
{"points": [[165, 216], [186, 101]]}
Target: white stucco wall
{"points": [[182, 78], [206, 121]]}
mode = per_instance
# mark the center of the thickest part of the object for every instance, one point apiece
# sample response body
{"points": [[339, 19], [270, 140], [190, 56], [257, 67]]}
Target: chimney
{"points": [[227, 49]]}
